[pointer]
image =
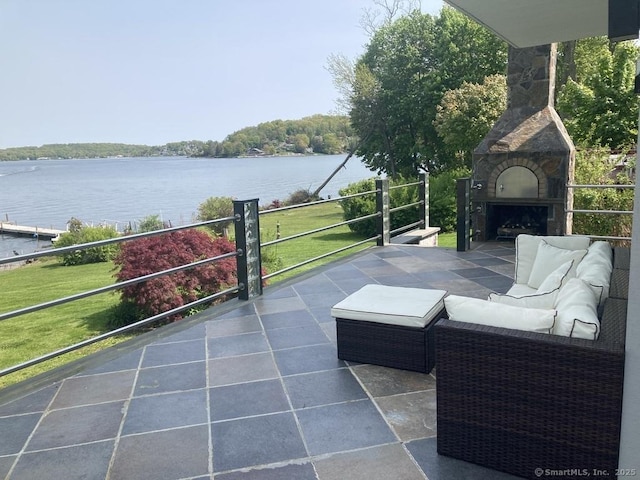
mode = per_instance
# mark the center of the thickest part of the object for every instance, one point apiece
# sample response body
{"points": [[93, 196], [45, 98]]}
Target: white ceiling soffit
{"points": [[526, 23]]}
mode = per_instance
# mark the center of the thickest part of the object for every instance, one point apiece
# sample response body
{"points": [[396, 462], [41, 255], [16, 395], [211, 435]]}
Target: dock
{"points": [[25, 231]]}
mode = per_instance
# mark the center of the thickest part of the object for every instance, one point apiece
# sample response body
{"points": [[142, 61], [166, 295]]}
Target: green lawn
{"points": [[297, 250], [35, 334]]}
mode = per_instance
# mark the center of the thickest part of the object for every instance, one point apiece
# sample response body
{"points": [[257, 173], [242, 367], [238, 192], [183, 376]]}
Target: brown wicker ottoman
{"points": [[389, 326]]}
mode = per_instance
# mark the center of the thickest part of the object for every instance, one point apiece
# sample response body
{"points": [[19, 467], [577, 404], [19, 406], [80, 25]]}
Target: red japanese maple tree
{"points": [[149, 255]]}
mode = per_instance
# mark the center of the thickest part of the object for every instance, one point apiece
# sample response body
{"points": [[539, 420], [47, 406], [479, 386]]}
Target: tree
{"points": [[300, 143], [466, 114], [154, 254], [384, 12], [408, 66], [600, 107], [214, 208]]}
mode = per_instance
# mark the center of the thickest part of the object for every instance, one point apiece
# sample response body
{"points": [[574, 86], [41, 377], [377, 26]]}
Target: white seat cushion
{"points": [[482, 312], [409, 307], [521, 290], [527, 248]]}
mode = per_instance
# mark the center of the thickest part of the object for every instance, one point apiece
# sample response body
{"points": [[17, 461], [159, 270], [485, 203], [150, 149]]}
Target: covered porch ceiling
{"points": [[526, 23]]}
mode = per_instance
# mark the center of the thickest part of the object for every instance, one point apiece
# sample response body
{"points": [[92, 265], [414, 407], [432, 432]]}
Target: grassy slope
{"points": [[38, 333], [304, 219]]}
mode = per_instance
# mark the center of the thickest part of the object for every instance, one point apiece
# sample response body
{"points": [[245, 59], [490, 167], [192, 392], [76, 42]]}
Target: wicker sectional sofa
{"points": [[533, 404]]}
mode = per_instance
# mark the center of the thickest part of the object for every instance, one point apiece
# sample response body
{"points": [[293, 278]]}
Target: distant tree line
{"points": [[328, 134], [100, 150]]}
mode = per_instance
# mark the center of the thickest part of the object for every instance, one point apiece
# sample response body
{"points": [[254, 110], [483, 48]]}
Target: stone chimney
{"points": [[522, 167]]}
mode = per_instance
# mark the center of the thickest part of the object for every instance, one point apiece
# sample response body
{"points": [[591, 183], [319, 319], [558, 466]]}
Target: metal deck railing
{"points": [[248, 247]]}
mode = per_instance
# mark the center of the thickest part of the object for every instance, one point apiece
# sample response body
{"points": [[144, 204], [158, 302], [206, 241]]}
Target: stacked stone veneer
{"points": [[529, 134]]}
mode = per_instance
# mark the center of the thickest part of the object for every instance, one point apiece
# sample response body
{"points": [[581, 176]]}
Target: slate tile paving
{"points": [[251, 390]]}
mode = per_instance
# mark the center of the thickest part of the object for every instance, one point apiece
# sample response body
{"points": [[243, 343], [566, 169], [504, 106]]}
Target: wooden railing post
{"points": [[249, 261], [382, 206]]}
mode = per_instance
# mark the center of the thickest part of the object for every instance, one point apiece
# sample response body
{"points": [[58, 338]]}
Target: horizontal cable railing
{"points": [[316, 202], [247, 241], [118, 331], [318, 230], [603, 211], [319, 257], [110, 241], [110, 288], [380, 237], [118, 286]]}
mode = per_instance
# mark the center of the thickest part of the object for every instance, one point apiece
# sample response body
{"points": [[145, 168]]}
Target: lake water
{"points": [[47, 193]]}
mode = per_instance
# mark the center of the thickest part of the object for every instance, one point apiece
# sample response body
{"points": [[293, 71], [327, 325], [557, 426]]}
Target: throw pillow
{"points": [[475, 310], [545, 296], [548, 259], [558, 278], [577, 313]]}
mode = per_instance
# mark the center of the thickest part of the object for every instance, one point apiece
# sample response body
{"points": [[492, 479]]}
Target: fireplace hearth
{"points": [[522, 167]]}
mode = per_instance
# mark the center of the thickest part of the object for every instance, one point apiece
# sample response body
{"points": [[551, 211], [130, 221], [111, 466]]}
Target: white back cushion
{"points": [[475, 310], [548, 259], [527, 248], [595, 269]]}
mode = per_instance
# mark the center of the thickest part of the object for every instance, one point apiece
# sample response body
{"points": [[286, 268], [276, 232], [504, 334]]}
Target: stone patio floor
{"points": [[251, 390]]}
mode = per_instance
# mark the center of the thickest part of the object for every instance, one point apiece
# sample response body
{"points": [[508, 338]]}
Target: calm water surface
{"points": [[47, 193]]}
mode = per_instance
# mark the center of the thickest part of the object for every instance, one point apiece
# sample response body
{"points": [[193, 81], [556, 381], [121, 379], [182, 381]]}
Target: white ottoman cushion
{"points": [[409, 307]]}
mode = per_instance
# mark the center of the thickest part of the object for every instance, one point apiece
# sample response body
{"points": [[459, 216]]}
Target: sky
{"points": [[158, 71]]}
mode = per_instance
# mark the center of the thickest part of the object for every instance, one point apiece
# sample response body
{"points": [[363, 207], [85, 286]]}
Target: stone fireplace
{"points": [[521, 169]]}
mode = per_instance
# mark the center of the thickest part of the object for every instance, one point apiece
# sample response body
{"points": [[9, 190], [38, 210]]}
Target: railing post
{"points": [[463, 199], [382, 206], [249, 262], [423, 195]]}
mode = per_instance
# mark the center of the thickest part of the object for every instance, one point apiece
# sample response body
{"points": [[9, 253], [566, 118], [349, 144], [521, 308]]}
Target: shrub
{"points": [[442, 198], [149, 255], [78, 234], [366, 205], [151, 223], [212, 209], [300, 196], [274, 204]]}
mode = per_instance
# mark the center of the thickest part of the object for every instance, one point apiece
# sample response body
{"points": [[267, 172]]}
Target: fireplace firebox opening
{"points": [[509, 221]]}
